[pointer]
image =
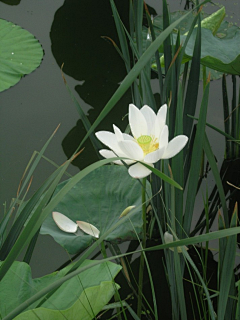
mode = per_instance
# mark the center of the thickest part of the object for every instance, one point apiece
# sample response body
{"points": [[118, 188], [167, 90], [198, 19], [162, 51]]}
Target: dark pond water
{"points": [[70, 32]]}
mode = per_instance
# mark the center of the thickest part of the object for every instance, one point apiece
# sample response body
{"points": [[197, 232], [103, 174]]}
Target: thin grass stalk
{"points": [[32, 226], [116, 294], [187, 241], [157, 57], [28, 255], [17, 227], [178, 167], [129, 79], [193, 83], [213, 165], [141, 266], [206, 209], [226, 116], [227, 269], [155, 313], [238, 125], [234, 132], [196, 161], [167, 42], [178, 271], [25, 182]]}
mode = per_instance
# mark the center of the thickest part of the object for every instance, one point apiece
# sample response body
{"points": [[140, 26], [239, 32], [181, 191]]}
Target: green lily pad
{"points": [[18, 286], [219, 52], [98, 199], [87, 306], [20, 54]]}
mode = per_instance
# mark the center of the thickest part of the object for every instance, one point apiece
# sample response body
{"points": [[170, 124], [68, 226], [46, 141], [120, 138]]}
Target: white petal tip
{"points": [[88, 228], [64, 223]]}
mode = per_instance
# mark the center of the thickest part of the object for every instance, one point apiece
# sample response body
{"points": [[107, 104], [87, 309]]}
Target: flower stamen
{"points": [[147, 143]]}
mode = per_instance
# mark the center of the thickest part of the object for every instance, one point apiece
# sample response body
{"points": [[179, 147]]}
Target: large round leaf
{"points": [[220, 52], [99, 199], [18, 286], [20, 54]]}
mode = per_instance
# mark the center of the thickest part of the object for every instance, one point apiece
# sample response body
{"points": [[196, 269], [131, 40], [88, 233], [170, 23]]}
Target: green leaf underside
{"points": [[219, 52], [114, 190], [20, 54], [88, 305], [18, 286]]}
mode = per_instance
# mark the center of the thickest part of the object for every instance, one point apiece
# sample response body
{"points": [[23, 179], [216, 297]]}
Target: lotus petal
{"points": [[64, 223], [150, 117], [139, 171], [131, 149], [88, 228], [137, 122], [160, 120], [175, 146]]}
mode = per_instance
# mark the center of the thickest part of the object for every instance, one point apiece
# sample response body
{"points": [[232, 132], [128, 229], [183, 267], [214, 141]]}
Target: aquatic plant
{"points": [[21, 53], [159, 207]]}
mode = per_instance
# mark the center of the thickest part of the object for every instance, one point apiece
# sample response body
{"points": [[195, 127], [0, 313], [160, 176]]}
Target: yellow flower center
{"points": [[148, 144]]}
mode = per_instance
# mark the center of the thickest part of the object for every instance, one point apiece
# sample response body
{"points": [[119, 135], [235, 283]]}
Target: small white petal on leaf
{"points": [[64, 223], [88, 228]]}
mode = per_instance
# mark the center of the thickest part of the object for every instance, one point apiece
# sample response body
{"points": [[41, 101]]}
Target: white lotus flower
{"points": [[148, 144]]}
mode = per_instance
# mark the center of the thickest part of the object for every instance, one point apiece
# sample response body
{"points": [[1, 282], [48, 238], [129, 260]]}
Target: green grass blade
{"points": [[177, 168], [25, 182], [227, 270], [167, 42], [218, 181], [33, 224], [157, 57], [226, 115], [193, 84], [22, 217], [87, 125], [132, 75], [121, 36], [234, 132], [196, 162], [138, 12]]}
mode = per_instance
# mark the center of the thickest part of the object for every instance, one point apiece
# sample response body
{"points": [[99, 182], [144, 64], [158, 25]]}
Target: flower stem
{"points": [[141, 268]]}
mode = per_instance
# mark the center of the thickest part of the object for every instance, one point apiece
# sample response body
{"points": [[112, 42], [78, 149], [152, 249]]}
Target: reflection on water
{"points": [[11, 2], [76, 36]]}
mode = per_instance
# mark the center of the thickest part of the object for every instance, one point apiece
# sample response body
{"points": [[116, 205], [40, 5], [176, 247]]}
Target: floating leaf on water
{"points": [[64, 223], [88, 228], [21, 53]]}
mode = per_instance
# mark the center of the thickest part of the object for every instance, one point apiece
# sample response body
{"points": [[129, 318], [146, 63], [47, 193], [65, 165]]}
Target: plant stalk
{"points": [[141, 267]]}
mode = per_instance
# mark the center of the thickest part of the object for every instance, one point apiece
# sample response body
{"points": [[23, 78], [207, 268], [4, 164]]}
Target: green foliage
{"points": [[79, 294], [87, 306], [220, 49], [114, 190], [21, 53]]}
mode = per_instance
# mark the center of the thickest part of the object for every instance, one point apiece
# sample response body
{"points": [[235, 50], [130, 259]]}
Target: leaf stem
{"points": [[141, 267]]}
